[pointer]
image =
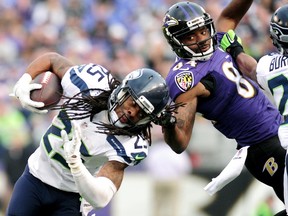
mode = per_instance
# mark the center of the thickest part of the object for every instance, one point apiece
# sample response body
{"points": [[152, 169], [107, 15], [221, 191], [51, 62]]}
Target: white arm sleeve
{"points": [[229, 173], [98, 191]]}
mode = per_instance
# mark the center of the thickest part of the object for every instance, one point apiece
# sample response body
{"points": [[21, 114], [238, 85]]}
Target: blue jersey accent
{"points": [[117, 145], [77, 81]]}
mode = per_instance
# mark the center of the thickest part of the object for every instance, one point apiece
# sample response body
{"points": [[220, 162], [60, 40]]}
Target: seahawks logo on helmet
{"points": [[276, 32], [135, 75], [279, 29]]}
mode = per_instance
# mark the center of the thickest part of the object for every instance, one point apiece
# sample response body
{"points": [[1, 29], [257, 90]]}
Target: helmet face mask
{"points": [[183, 19], [279, 29], [113, 117], [148, 90]]}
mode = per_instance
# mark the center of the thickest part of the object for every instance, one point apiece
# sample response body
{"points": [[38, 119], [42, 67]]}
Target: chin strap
{"points": [[114, 120]]}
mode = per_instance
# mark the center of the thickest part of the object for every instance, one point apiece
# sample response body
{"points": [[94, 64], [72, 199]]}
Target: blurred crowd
{"points": [[121, 35]]}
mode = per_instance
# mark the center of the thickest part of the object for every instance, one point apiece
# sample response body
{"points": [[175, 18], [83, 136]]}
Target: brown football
{"points": [[51, 91]]}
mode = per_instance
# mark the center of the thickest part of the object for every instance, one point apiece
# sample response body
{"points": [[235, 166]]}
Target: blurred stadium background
{"points": [[124, 35]]}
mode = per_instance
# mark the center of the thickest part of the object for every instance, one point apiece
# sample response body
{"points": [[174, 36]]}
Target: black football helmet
{"points": [[279, 29], [183, 18], [148, 89]]}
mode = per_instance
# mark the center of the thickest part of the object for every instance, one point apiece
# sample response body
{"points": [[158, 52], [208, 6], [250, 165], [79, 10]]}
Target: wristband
{"points": [[235, 51]]}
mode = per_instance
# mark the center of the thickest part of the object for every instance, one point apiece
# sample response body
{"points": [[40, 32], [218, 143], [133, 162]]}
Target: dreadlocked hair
{"points": [[172, 108], [143, 130], [86, 105], [83, 105]]}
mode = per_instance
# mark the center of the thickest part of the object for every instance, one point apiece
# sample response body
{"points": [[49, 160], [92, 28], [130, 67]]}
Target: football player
{"points": [[271, 71], [209, 81], [103, 126]]}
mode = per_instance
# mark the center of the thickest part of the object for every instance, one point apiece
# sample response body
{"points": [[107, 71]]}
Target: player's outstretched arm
{"points": [[98, 191], [232, 15], [247, 65], [49, 61], [233, 45]]}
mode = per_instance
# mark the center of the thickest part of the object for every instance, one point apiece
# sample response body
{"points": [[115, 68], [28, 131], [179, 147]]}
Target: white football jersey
{"points": [[272, 75], [48, 164]]}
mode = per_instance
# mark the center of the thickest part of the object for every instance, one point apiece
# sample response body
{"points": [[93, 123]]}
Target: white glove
{"points": [[283, 135], [229, 173], [22, 91], [72, 148]]}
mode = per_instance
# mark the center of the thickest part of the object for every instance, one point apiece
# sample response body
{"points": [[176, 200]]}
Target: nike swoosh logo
{"points": [[230, 39], [138, 157]]}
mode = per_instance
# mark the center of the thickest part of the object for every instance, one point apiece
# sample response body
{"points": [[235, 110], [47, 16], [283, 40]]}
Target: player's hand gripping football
{"points": [[22, 91], [72, 148], [232, 44]]}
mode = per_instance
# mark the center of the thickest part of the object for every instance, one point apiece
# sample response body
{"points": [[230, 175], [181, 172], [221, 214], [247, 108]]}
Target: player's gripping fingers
{"points": [[72, 148], [33, 106], [67, 146], [64, 136], [22, 92], [28, 102], [33, 86], [76, 136]]}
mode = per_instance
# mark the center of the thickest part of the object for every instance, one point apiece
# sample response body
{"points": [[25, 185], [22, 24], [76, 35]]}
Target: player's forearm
{"points": [[247, 65], [237, 8], [176, 138], [50, 61], [232, 14], [98, 191]]}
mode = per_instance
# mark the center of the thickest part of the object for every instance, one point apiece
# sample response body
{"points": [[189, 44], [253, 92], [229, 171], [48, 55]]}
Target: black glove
{"points": [[232, 44], [166, 119]]}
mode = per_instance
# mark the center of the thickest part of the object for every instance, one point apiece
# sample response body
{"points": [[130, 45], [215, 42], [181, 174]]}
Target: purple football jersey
{"points": [[236, 107]]}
